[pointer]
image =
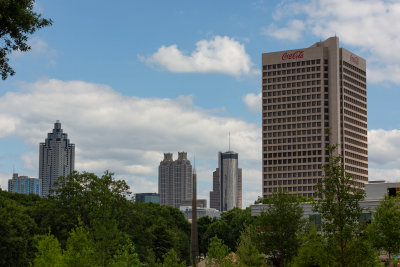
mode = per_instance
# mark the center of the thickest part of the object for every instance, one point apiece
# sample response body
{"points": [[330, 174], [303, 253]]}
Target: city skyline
{"points": [[168, 79]]}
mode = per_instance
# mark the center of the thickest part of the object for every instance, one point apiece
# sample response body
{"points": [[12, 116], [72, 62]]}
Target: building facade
{"points": [[304, 92], [147, 198], [227, 183], [175, 180], [56, 158], [24, 185]]}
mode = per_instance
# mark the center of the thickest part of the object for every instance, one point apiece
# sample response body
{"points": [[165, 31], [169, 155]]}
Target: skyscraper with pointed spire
{"points": [[56, 158]]}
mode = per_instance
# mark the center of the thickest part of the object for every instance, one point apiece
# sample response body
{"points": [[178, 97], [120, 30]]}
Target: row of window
{"points": [[293, 64], [356, 156], [294, 91], [294, 140], [348, 119], [356, 163], [290, 161], [284, 73], [357, 136], [294, 78], [294, 112], [355, 115], [294, 119], [284, 127], [350, 66], [294, 154], [297, 181], [354, 101], [356, 149], [355, 75], [355, 129], [290, 85], [293, 168], [355, 108], [285, 147], [356, 89], [360, 84], [355, 142], [356, 170], [300, 132]]}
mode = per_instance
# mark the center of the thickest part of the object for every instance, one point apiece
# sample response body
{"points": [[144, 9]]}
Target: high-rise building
{"points": [[304, 92], [147, 198], [175, 180], [56, 158], [227, 183], [23, 185]]}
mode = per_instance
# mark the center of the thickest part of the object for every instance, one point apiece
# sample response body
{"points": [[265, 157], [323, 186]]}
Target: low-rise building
{"points": [[24, 185]]}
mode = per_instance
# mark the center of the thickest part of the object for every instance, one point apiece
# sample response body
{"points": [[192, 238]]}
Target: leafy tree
{"points": [[217, 254], [171, 259], [339, 208], [247, 251], [80, 248], [385, 226], [17, 21], [49, 252], [313, 251], [125, 257], [16, 232], [280, 227], [202, 225]]}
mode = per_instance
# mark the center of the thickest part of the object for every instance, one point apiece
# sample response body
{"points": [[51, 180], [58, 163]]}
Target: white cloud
{"points": [[125, 134], [384, 147], [253, 102], [389, 175], [292, 32], [4, 180], [220, 55], [369, 25]]}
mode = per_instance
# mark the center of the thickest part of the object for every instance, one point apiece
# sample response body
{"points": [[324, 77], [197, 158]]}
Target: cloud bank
{"points": [[370, 25]]}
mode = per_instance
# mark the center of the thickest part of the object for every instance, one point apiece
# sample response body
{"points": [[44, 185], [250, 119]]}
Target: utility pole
{"points": [[194, 233]]}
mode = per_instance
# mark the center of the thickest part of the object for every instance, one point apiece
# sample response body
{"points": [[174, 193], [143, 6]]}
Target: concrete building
{"points": [[24, 185], [56, 158], [378, 189], [305, 91], [175, 180], [201, 212], [201, 203], [147, 198], [227, 183]]}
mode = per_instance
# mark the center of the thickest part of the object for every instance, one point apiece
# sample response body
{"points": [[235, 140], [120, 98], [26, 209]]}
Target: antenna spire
{"points": [[229, 141], [194, 164]]}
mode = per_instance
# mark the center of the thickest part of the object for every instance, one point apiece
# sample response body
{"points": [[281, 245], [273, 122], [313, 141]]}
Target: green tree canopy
{"points": [[280, 227], [17, 22]]}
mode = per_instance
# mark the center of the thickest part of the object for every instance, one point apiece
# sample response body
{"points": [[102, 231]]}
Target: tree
{"points": [[49, 252], [171, 259], [247, 251], [17, 21], [280, 227], [16, 232], [125, 257], [80, 248], [385, 226], [338, 206], [217, 254]]}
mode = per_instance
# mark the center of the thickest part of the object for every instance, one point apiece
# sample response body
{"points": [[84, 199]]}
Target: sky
{"points": [[131, 80]]}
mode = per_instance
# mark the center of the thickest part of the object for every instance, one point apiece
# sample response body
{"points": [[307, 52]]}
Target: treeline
{"points": [[92, 222]]}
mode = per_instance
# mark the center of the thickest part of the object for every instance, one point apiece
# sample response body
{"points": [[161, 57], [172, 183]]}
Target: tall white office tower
{"points": [[56, 158]]}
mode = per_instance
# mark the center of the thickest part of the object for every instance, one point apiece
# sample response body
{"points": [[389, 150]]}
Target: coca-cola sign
{"points": [[354, 59], [294, 55]]}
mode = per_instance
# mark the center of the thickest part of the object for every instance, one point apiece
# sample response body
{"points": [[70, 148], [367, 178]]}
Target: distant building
{"points": [[201, 212], [201, 203], [227, 183], [56, 158], [147, 198], [175, 180], [378, 189], [23, 185]]}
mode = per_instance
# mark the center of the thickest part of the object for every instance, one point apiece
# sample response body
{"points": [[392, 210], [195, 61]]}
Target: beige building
{"points": [[306, 91]]}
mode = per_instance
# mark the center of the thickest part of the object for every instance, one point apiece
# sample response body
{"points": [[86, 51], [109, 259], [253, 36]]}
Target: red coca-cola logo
{"points": [[354, 59], [294, 55]]}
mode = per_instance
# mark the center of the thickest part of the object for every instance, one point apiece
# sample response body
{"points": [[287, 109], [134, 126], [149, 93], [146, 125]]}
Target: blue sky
{"points": [[130, 80]]}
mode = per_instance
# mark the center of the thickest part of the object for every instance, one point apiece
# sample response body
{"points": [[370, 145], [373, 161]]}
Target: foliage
{"points": [[313, 251], [280, 227], [49, 252], [17, 21], [339, 208], [247, 251], [125, 257], [217, 254], [171, 259], [385, 227], [202, 225], [16, 232], [80, 248]]}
